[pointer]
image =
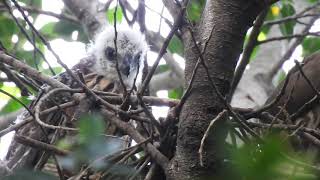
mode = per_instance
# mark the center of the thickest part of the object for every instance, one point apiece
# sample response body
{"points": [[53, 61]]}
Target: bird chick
{"points": [[130, 50]]}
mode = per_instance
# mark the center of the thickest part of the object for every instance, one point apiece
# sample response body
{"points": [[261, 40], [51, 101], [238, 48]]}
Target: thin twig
{"points": [[38, 144], [45, 98], [25, 32], [206, 134], [116, 49], [291, 49], [252, 43], [161, 53]]}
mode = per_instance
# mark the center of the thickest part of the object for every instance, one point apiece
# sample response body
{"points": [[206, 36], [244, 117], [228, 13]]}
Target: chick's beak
{"points": [[125, 65]]}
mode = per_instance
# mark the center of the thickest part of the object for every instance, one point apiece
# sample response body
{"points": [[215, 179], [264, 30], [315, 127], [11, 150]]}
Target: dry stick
{"points": [[40, 145], [302, 35], [29, 119], [252, 43], [150, 100], [282, 109], [125, 6], [172, 7], [16, 99], [206, 134], [106, 6], [155, 65], [18, 82], [311, 101], [135, 111], [132, 132], [166, 20], [151, 172], [45, 156], [160, 21], [42, 100], [161, 53], [63, 16], [32, 9], [274, 101], [111, 157], [141, 15], [29, 71], [25, 33], [147, 111], [284, 127], [59, 169], [293, 17], [124, 158], [306, 78], [305, 107], [311, 138], [149, 114], [116, 49], [140, 168], [289, 52]]}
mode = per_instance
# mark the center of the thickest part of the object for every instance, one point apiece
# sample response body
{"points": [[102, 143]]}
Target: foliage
{"points": [[269, 160], [91, 145]]}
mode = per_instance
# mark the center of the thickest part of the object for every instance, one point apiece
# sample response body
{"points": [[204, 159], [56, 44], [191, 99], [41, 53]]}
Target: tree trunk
{"points": [[229, 22]]}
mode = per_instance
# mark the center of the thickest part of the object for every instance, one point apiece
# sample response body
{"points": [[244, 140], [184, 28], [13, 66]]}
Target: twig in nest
{"points": [[42, 100], [219, 117], [40, 145]]}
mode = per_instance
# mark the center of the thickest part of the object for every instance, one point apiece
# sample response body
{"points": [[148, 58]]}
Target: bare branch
{"points": [[29, 71], [289, 52], [153, 151]]}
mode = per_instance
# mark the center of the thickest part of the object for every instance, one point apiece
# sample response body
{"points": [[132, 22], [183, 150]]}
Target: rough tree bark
{"points": [[229, 22]]}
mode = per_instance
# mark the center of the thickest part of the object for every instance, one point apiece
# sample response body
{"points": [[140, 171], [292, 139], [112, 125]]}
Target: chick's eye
{"points": [[110, 53]]}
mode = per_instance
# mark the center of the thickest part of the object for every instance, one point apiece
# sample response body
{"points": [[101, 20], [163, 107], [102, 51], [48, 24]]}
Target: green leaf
{"points": [[313, 1], [176, 46], [12, 105], [194, 9], [254, 54], [13, 90], [7, 29], [65, 29], [48, 30], [57, 70], [310, 45], [267, 161], [258, 160], [176, 93], [28, 57], [35, 3], [162, 68], [287, 27], [282, 75], [270, 16], [110, 15], [91, 126]]}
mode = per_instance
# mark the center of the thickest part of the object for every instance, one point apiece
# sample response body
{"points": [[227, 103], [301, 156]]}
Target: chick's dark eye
{"points": [[110, 53]]}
